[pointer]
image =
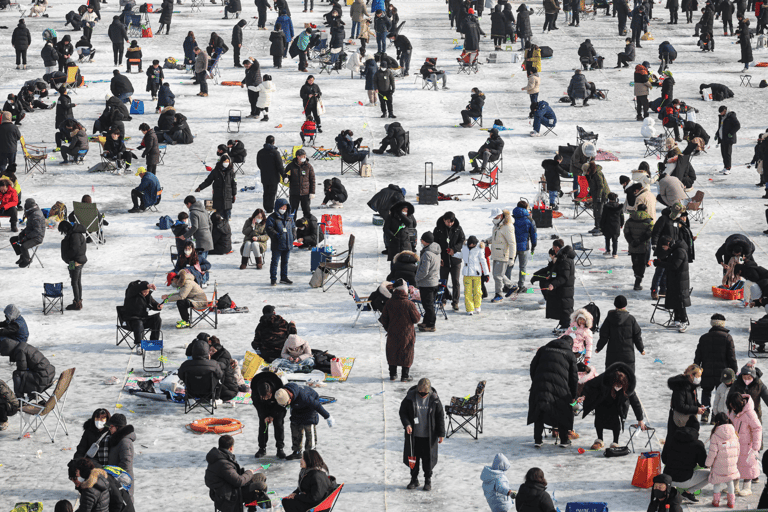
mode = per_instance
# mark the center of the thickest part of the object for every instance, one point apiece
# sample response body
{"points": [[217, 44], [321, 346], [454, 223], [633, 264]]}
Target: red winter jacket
{"points": [[9, 200]]}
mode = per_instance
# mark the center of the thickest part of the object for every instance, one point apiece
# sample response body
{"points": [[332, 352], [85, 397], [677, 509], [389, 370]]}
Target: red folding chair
{"points": [[487, 187], [328, 503]]}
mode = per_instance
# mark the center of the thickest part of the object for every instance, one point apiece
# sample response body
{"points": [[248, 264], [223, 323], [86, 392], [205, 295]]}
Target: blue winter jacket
{"points": [[496, 484], [281, 228], [305, 405], [286, 24], [525, 229], [148, 187], [378, 5], [165, 98]]}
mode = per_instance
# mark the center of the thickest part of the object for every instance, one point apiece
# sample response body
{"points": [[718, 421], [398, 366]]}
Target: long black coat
{"points": [[533, 497], [735, 241], [714, 353], [523, 22], [730, 124], [224, 186], [684, 399], [270, 165], [63, 109], [746, 46], [397, 229], [91, 434], [678, 280], [436, 422], [472, 32], [560, 299], [73, 245], [682, 453], [611, 411], [554, 379], [498, 27], [621, 332], [167, 14]]}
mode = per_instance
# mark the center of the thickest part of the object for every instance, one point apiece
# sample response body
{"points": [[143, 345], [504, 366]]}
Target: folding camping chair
{"points": [[407, 143], [34, 157], [650, 431], [213, 67], [163, 147], [88, 215], [658, 306], [133, 24], [758, 337], [283, 189], [330, 61], [550, 129], [152, 346], [654, 147], [439, 306], [351, 167], [361, 304], [582, 252], [198, 314], [695, 207], [112, 165], [33, 256], [153, 207], [582, 203], [34, 412], [487, 187], [469, 412], [201, 391], [428, 84], [71, 82], [197, 4], [238, 166], [53, 298], [340, 271], [583, 135], [80, 158], [746, 80], [124, 332], [322, 153], [234, 119], [309, 140], [468, 62], [475, 121], [328, 503]]}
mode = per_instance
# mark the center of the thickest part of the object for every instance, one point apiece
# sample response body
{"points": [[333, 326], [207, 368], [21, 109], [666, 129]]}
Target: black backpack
{"points": [[595, 312], [457, 164], [322, 360]]}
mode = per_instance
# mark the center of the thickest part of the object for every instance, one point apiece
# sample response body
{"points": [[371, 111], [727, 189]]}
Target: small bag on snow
{"points": [[165, 222], [225, 302]]}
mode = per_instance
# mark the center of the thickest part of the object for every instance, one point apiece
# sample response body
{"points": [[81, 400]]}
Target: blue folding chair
{"points": [[148, 349], [53, 298]]}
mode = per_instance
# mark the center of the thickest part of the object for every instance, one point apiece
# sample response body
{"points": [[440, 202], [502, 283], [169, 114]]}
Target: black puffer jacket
{"points": [[533, 497], [599, 396], [120, 84], [735, 241], [684, 399], [314, 487], [665, 226], [196, 372], [21, 38], [385, 198], [397, 229], [94, 492], [554, 380], [224, 186], [621, 332], [523, 22], [683, 453], [30, 361], [73, 245], [310, 233], [678, 280], [270, 165], [35, 230], [91, 434], [404, 267], [757, 390], [221, 234], [714, 353], [561, 298], [673, 501], [135, 304], [230, 388], [270, 336], [224, 477]]}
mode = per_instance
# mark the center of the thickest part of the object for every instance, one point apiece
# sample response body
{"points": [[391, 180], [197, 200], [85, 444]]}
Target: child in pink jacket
{"points": [[723, 459], [750, 431], [581, 332]]}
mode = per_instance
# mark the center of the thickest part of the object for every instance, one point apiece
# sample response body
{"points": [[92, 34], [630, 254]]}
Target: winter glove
{"points": [[655, 263], [72, 265], [331, 421], [359, 141]]}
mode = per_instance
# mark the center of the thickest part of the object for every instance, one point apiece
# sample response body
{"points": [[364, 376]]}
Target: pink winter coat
{"points": [[750, 433], [723, 455]]}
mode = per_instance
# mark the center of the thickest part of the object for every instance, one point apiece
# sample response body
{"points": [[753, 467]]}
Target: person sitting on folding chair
{"points": [[138, 299], [308, 130], [350, 149], [543, 115], [31, 236], [9, 199], [230, 485], [145, 195], [490, 151], [33, 374], [430, 72], [78, 141], [14, 326], [114, 149], [610, 395], [189, 295], [237, 151], [200, 365], [474, 108], [270, 334]]}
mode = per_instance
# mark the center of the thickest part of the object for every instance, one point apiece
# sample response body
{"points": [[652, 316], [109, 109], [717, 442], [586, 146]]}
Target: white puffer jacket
{"points": [[503, 244], [474, 260], [265, 90]]}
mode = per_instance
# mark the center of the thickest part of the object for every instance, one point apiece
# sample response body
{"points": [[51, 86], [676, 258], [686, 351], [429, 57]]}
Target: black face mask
{"points": [[423, 393], [659, 495]]}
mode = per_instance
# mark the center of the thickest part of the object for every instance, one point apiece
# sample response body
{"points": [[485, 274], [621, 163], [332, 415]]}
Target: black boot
{"points": [[427, 483], [414, 482], [392, 372], [638, 280], [261, 453], [405, 377], [243, 263]]}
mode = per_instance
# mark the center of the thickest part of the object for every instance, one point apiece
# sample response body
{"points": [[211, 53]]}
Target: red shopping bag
{"points": [[647, 467], [333, 225], [146, 32]]}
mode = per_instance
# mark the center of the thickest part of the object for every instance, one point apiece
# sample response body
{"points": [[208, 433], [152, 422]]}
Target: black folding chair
{"points": [[340, 271], [583, 135], [439, 306], [463, 413], [758, 337], [582, 252], [201, 391]]}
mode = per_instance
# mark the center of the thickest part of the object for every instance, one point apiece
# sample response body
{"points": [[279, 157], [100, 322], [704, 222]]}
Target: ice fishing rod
{"points": [[702, 227]]}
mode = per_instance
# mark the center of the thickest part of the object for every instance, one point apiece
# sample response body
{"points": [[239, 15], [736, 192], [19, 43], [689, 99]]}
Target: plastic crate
{"points": [[725, 293]]}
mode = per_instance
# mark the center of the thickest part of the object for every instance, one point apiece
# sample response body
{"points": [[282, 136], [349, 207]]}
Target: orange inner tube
{"points": [[216, 425]]}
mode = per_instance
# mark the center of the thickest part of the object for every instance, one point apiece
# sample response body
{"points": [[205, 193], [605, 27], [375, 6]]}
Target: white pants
{"points": [[726, 486], [699, 480], [251, 247]]}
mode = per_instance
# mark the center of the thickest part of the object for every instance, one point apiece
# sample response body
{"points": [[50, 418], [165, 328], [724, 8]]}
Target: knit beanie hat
{"points": [[268, 310], [717, 320], [749, 369], [620, 302], [428, 237]]}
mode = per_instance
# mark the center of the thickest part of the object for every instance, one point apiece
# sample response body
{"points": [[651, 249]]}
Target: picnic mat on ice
{"points": [[346, 363], [603, 156], [132, 386]]}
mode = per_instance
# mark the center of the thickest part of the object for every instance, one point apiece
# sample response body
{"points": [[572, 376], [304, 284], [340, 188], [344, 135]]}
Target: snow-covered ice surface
{"points": [[364, 449]]}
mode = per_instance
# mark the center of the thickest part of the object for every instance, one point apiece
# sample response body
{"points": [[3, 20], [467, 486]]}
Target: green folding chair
{"points": [[88, 215]]}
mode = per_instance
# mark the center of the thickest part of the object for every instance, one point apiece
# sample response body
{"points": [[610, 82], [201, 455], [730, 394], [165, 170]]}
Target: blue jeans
{"points": [[381, 41], [355, 30], [124, 97], [659, 281], [282, 257], [553, 198], [539, 120], [204, 254], [285, 364]]}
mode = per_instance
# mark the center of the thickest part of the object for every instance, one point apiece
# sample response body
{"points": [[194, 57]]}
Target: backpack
{"points": [[225, 302], [165, 222], [595, 312], [170, 63], [457, 165], [123, 478], [322, 360], [763, 84], [546, 52]]}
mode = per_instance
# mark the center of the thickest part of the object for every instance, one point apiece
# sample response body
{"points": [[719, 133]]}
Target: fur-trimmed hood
{"points": [[406, 257], [582, 313], [93, 478]]}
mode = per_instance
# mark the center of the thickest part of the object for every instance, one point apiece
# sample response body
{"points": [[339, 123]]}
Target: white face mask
{"points": [[617, 389], [302, 160], [99, 424], [80, 479], [188, 253], [259, 219], [283, 210], [496, 221], [697, 380]]}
